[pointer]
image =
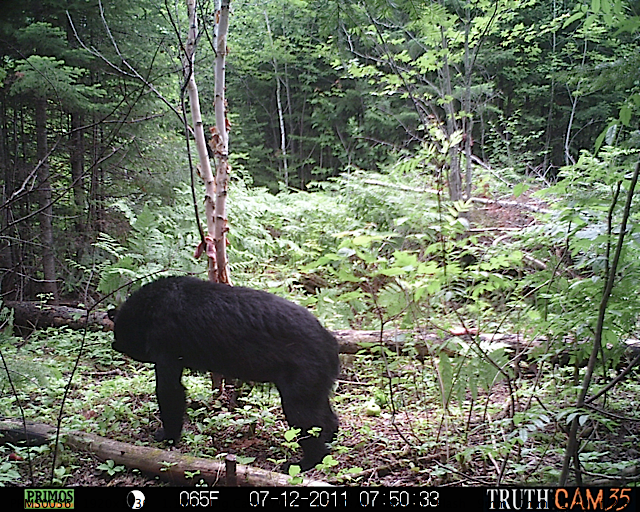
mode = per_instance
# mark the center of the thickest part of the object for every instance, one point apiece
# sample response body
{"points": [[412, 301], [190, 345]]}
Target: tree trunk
{"points": [[46, 214], [96, 199], [283, 137], [467, 120], [198, 130], [574, 98], [548, 160], [221, 148], [454, 177], [8, 174], [76, 161], [568, 159]]}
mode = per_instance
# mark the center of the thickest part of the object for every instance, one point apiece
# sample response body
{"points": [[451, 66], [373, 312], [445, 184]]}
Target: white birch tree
{"points": [[216, 188]]}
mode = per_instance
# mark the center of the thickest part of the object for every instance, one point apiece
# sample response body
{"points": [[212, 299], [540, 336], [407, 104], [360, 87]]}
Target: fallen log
{"points": [[36, 315], [169, 466], [424, 343], [481, 200]]}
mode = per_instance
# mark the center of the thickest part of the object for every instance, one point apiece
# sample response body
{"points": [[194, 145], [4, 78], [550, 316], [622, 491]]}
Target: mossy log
{"points": [[170, 466]]}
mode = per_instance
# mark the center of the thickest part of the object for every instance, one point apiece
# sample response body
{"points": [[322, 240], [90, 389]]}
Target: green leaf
{"points": [[290, 434], [519, 189], [625, 115], [572, 18], [294, 470], [446, 374], [392, 272]]}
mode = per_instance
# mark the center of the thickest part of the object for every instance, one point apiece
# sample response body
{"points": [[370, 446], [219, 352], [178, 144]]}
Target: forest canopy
{"points": [[91, 130]]}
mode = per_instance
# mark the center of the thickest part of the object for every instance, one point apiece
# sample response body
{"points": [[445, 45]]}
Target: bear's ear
{"points": [[111, 313]]}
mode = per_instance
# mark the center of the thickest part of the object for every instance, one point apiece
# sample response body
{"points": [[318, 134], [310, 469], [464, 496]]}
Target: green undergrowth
{"points": [[436, 407], [443, 402]]}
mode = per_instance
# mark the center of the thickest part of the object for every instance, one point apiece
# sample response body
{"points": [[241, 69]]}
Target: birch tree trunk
{"points": [[283, 138], [220, 145], [210, 200]]}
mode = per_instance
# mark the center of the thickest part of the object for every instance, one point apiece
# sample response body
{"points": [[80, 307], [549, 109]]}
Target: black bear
{"points": [[251, 335]]}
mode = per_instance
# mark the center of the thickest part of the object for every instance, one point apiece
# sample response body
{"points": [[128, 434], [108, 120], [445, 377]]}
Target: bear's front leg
{"points": [[171, 400]]}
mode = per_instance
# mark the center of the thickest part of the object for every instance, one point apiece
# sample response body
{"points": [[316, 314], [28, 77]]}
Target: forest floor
{"points": [[416, 446]]}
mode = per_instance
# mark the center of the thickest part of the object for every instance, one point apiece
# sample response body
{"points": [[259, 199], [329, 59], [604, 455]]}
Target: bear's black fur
{"points": [[185, 322]]}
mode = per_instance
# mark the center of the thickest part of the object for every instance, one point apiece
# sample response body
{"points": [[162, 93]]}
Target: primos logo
{"points": [[49, 499]]}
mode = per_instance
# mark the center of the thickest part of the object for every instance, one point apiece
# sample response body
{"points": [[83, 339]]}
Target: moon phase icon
{"points": [[135, 500]]}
